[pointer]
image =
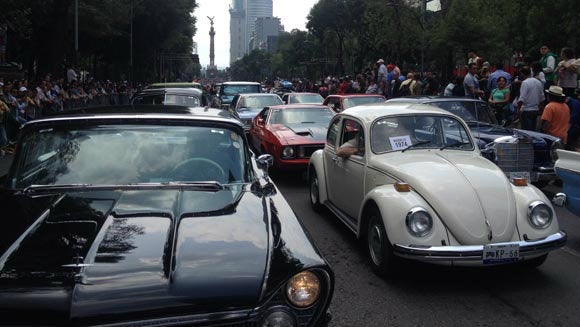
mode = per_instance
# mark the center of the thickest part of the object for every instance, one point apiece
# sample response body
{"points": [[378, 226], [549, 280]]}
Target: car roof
{"points": [[176, 84], [240, 83], [144, 111], [427, 99], [184, 91], [258, 94], [355, 95], [303, 93], [299, 105], [370, 112]]}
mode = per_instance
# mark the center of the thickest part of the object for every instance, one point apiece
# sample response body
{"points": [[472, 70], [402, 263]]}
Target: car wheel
{"points": [[314, 192], [379, 249], [535, 262]]}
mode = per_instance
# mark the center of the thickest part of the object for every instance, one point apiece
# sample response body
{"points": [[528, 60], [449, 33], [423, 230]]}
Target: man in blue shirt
{"points": [[499, 72]]}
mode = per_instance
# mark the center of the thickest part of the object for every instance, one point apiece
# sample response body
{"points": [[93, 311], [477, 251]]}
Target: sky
{"points": [[292, 13]]}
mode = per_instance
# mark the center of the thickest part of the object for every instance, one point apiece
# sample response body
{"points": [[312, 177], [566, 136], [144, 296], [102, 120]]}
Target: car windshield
{"points": [[168, 99], [305, 98], [259, 101], [301, 116], [117, 155], [230, 90], [357, 101], [468, 110], [420, 131]]}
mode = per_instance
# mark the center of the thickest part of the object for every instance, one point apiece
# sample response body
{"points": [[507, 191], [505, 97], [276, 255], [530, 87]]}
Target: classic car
{"points": [[341, 102], [409, 180], [151, 216], [291, 133], [568, 169], [228, 90], [519, 153], [246, 106], [302, 97], [190, 97]]}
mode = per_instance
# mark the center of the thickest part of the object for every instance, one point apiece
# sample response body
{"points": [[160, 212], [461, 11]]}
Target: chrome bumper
{"points": [[475, 252]]}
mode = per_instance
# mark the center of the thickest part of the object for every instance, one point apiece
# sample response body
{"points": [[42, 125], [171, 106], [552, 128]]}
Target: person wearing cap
{"points": [[556, 116]]}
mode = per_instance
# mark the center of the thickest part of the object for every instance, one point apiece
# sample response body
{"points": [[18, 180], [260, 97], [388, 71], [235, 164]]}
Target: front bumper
{"points": [[474, 253], [291, 164]]}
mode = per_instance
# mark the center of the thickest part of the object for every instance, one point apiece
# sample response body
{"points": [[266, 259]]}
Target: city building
{"points": [[238, 39], [255, 9], [266, 27]]}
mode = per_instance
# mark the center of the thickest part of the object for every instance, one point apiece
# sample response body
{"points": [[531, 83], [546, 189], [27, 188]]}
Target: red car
{"points": [[290, 133], [341, 102]]}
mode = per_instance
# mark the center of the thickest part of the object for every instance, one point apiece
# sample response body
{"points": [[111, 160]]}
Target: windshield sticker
{"points": [[236, 145], [234, 136], [400, 142]]}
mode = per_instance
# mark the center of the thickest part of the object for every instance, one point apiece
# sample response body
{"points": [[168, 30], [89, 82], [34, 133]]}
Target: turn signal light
{"points": [[402, 187], [520, 182]]}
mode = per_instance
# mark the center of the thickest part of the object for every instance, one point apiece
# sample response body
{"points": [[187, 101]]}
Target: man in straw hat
{"points": [[556, 116]]}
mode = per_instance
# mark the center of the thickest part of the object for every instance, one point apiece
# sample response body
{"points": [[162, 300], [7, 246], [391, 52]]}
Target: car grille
{"points": [[306, 151], [515, 157]]}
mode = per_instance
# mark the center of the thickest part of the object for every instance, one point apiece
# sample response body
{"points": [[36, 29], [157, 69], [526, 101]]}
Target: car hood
{"points": [[463, 188], [300, 133], [490, 132], [145, 252]]}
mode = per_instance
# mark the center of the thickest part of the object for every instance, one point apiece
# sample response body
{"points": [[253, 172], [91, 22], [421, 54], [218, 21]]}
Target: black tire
{"points": [[378, 247], [535, 262], [314, 192]]}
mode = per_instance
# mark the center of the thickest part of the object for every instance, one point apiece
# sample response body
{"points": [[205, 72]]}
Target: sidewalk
{"points": [[5, 164]]}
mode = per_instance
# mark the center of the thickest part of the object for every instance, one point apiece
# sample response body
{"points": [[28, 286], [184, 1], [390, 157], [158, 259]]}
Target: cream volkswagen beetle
{"points": [[408, 180]]}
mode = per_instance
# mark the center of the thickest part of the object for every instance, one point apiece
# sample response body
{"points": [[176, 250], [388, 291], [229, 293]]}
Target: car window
{"points": [[353, 135], [333, 132], [357, 101], [264, 113], [258, 102], [230, 90], [468, 110], [306, 98], [421, 131], [115, 154], [168, 99]]}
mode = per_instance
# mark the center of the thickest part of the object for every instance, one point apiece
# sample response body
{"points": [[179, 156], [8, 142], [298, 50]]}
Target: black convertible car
{"points": [[519, 153], [151, 216]]}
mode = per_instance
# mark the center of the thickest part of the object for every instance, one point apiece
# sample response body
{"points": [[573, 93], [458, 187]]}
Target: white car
{"points": [[409, 180]]}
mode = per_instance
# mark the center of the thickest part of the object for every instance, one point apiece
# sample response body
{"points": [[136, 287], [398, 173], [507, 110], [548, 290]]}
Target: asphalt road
{"points": [[429, 295]]}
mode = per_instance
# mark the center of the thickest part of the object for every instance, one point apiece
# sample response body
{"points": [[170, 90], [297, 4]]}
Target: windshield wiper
{"points": [[212, 186], [454, 145], [308, 122], [414, 145]]}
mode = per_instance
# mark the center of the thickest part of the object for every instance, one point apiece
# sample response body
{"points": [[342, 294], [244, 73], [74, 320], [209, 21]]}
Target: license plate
{"points": [[500, 253], [520, 174]]}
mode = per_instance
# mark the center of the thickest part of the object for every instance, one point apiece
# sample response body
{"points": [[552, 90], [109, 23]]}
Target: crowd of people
{"points": [[22, 100]]}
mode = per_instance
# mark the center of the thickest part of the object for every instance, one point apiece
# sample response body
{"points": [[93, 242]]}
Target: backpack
{"points": [[405, 90]]}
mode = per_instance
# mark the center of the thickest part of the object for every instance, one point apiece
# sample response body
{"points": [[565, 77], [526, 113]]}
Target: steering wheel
{"points": [[198, 169]]}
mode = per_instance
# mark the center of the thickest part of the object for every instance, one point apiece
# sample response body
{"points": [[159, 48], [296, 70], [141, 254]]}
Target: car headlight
{"points": [[288, 152], [419, 222], [540, 214], [303, 289], [279, 318], [555, 146]]}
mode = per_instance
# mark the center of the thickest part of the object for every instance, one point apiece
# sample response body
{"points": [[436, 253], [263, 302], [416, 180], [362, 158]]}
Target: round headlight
{"points": [[419, 222], [555, 146], [303, 289], [540, 214], [288, 152]]}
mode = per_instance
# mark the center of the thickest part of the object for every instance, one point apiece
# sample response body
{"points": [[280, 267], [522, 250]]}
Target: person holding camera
{"points": [[499, 100]]}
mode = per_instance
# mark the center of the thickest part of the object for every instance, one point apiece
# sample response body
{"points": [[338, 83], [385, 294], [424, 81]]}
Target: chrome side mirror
{"points": [[265, 161], [559, 199]]}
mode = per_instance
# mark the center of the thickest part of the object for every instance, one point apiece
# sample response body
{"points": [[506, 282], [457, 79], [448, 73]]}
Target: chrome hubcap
{"points": [[314, 190], [375, 240]]}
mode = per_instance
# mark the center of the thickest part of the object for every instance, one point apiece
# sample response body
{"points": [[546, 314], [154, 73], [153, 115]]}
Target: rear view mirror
{"points": [[265, 161]]}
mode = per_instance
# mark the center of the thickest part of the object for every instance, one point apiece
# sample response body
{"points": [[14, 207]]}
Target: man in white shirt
{"points": [[531, 96], [71, 75]]}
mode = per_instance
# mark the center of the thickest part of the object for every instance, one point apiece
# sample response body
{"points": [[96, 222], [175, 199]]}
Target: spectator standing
{"points": [[4, 112], [499, 72], [71, 75], [382, 78], [548, 63], [449, 88], [407, 86], [499, 100], [538, 73], [531, 95], [473, 58], [556, 115], [471, 83], [567, 77], [574, 129]]}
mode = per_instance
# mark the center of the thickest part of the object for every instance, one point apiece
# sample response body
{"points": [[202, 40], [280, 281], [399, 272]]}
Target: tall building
{"points": [[238, 38], [255, 9], [266, 28]]}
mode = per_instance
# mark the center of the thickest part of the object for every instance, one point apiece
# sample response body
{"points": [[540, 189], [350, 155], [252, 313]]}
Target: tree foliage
{"points": [[41, 35]]}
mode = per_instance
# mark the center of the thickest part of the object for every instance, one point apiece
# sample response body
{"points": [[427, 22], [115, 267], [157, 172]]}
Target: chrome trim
{"points": [[559, 199], [408, 219], [475, 252], [533, 206], [217, 317]]}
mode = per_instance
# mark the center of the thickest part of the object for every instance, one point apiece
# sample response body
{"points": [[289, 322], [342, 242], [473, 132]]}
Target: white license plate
{"points": [[520, 174], [500, 253]]}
